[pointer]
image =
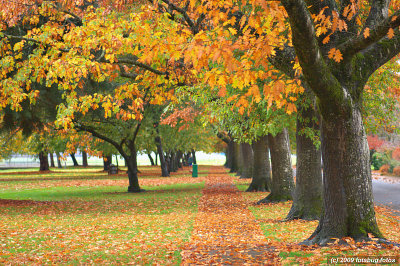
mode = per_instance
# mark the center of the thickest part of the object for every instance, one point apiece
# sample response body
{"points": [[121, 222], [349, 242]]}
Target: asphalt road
{"points": [[387, 194]]}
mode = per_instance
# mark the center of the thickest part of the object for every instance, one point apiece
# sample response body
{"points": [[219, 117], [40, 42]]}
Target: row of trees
{"points": [[112, 68]]}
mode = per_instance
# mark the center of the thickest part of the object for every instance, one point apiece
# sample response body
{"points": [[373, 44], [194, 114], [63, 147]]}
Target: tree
{"points": [[282, 172], [348, 204]]}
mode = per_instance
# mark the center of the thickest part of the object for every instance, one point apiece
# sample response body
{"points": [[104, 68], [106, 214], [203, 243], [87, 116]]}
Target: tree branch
{"points": [[378, 12], [141, 65], [315, 70], [185, 15], [21, 38], [380, 53], [102, 137], [359, 43]]}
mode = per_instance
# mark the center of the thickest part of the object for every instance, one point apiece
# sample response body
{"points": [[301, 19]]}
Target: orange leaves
{"points": [[366, 33], [390, 33], [335, 54]]}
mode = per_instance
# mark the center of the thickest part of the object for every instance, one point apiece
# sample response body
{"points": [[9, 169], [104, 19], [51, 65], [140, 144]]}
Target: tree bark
{"points": [[307, 199], [84, 159], [107, 160], [58, 160], [51, 159], [247, 160], [233, 157], [43, 161], [282, 172], [239, 159], [179, 158], [74, 159], [151, 159], [194, 157], [131, 162], [348, 203], [156, 157], [163, 163], [261, 166]]}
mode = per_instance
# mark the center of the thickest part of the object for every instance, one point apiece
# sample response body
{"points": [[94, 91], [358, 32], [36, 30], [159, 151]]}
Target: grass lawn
{"points": [[87, 219], [285, 235]]}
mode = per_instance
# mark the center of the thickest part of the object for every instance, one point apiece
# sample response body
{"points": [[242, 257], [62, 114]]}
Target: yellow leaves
{"points": [[366, 33], [19, 45], [232, 31], [335, 54]]}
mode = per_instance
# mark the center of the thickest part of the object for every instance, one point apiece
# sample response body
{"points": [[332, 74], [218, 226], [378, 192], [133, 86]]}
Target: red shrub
{"points": [[396, 154], [396, 171], [384, 169], [374, 142]]}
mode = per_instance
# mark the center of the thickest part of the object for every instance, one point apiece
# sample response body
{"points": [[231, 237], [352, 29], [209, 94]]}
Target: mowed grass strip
{"points": [[285, 236], [97, 225]]}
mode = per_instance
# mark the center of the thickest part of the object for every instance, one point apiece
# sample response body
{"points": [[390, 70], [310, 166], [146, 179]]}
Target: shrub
{"points": [[396, 171], [384, 169], [378, 159]]}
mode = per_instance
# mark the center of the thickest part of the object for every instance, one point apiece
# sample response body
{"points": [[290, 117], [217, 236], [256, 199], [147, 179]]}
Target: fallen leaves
{"points": [[225, 232]]}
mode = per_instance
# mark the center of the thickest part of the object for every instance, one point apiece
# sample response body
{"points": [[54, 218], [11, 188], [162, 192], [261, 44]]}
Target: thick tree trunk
{"points": [[131, 162], [247, 160], [74, 159], [233, 157], [43, 161], [228, 160], [307, 199], [163, 163], [194, 157], [58, 160], [348, 208], [261, 166], [107, 160], [84, 159], [174, 166], [282, 172], [51, 160], [151, 159]]}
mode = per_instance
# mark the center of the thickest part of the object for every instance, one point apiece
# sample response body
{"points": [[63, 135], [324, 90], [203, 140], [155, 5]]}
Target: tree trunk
{"points": [[239, 159], [156, 162], [247, 160], [228, 162], [43, 161], [307, 199], [163, 163], [179, 158], [194, 157], [84, 159], [107, 160], [51, 160], [261, 167], [282, 172], [131, 162], [233, 157], [151, 159], [58, 160], [74, 159], [348, 208], [172, 160]]}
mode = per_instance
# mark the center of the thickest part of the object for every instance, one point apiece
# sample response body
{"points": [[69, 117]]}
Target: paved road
{"points": [[387, 194]]}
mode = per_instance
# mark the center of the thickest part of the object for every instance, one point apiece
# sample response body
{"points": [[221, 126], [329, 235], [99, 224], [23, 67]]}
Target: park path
{"points": [[225, 231]]}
